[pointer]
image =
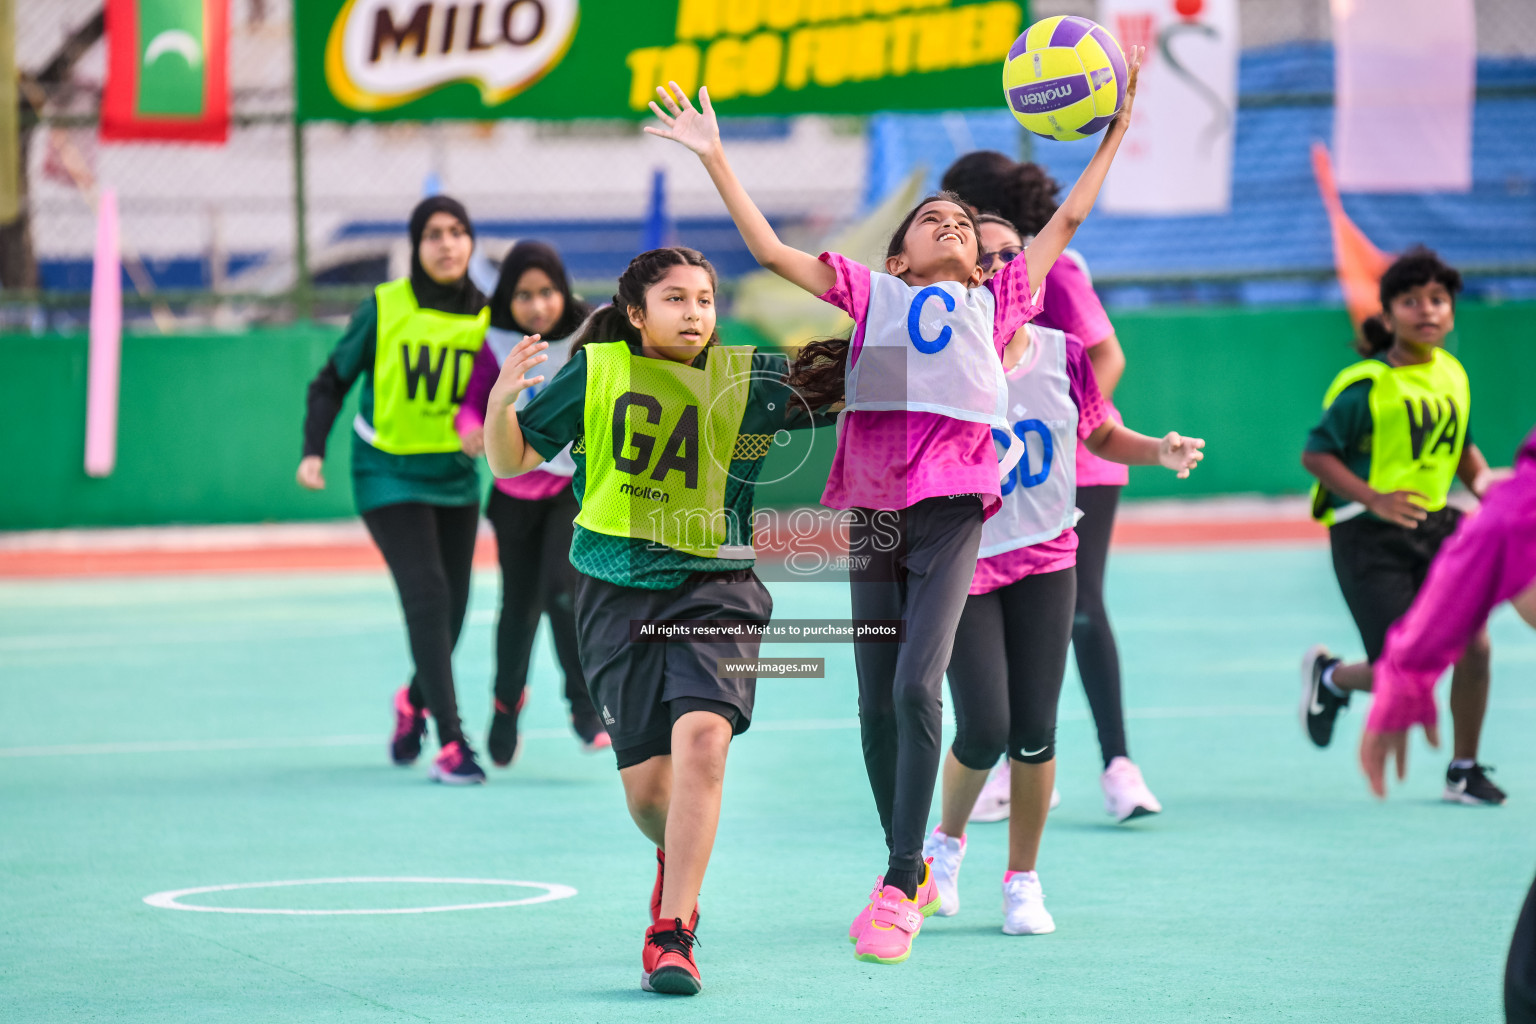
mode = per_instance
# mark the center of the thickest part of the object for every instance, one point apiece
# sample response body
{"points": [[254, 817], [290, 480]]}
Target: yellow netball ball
{"points": [[1065, 78]]}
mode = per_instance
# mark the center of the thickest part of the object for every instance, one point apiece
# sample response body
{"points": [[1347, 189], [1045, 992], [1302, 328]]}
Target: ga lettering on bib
{"points": [[1419, 416], [421, 366], [659, 437]]}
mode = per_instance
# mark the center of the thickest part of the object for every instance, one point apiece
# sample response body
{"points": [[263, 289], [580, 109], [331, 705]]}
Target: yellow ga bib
{"points": [[659, 439], [421, 366], [1419, 416]]}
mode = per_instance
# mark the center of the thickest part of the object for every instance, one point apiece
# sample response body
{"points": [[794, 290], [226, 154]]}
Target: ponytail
{"points": [[608, 323], [817, 373], [1375, 338]]}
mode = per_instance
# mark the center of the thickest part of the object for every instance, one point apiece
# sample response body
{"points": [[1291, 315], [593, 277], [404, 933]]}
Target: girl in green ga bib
{"points": [[413, 344], [668, 431], [1393, 438]]}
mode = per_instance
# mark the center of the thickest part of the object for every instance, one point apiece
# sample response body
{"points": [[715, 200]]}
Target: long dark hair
{"points": [[611, 322], [531, 255], [1021, 193], [1416, 267]]}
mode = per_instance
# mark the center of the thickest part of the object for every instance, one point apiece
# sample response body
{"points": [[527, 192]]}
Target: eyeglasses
{"points": [[995, 260]]}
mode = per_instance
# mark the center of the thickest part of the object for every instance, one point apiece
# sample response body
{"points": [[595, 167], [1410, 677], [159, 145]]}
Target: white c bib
{"points": [[930, 349], [559, 352], [1039, 494]]}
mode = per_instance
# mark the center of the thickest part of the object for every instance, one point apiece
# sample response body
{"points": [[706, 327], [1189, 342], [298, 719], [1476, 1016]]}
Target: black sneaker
{"points": [[455, 764], [410, 724], [1320, 706], [589, 730], [502, 742], [1471, 786]]}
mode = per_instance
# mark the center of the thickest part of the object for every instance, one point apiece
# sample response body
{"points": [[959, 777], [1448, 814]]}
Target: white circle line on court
{"points": [[170, 900]]}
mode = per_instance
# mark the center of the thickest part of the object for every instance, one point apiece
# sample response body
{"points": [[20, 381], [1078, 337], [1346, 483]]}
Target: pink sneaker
{"points": [[927, 901], [893, 923], [410, 724]]}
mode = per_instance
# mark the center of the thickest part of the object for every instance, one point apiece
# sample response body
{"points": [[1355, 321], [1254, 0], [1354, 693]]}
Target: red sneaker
{"points": [[667, 960]]}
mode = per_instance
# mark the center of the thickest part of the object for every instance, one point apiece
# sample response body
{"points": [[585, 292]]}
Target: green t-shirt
{"points": [[1346, 431], [379, 478], [557, 416]]}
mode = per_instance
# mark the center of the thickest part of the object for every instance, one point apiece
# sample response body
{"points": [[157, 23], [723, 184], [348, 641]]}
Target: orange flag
{"points": [[1360, 264]]}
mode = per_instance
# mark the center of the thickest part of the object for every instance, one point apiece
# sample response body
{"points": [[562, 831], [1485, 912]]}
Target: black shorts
{"points": [[640, 689], [1381, 567]]}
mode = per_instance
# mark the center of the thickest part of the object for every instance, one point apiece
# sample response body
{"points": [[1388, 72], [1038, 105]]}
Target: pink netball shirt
{"points": [[1071, 305], [535, 485], [891, 460], [994, 572]]}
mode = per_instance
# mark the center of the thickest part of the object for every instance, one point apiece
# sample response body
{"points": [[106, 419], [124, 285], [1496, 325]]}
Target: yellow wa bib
{"points": [[421, 366], [659, 439], [1419, 416]]}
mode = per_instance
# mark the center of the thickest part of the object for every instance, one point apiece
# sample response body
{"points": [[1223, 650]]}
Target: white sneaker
{"points": [[1024, 910], [1126, 795], [947, 853], [992, 804]]}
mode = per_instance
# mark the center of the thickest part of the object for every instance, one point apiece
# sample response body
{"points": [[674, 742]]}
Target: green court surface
{"points": [[169, 733]]}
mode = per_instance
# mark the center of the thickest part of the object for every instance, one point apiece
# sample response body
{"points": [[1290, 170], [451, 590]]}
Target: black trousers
{"points": [[533, 544], [922, 559], [430, 550], [1006, 669], [1093, 641], [1520, 971]]}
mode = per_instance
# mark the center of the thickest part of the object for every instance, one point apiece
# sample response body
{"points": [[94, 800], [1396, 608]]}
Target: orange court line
{"points": [[44, 563]]}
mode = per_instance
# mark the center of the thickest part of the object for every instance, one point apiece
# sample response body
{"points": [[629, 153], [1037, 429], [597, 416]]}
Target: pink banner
{"points": [[106, 342], [1405, 77]]}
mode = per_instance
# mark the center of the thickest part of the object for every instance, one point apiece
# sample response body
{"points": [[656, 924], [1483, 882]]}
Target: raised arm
{"points": [[700, 132], [505, 448], [1051, 241]]}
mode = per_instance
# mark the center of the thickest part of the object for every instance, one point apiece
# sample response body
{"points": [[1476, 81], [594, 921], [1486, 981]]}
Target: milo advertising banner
{"points": [[480, 59]]}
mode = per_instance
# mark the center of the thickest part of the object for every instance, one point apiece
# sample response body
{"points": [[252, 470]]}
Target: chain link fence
{"points": [[212, 234]]}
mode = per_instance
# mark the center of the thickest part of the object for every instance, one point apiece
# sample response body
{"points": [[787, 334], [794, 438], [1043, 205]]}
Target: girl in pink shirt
{"points": [[1010, 647], [915, 464], [532, 513], [1024, 195]]}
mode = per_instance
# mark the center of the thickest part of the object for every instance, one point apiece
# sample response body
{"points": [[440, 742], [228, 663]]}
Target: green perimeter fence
{"points": [[209, 424]]}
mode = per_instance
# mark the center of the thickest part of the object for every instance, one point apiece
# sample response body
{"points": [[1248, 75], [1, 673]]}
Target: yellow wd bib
{"points": [[659, 438], [421, 367], [1419, 417]]}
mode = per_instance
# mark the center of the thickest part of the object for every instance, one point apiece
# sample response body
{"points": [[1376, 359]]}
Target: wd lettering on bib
{"points": [[422, 362], [659, 439], [1418, 429], [1039, 494]]}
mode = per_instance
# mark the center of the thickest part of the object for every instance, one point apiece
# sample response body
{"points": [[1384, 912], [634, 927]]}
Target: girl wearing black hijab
{"points": [[532, 513], [413, 343]]}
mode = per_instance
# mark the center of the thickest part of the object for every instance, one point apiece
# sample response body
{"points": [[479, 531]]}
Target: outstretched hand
{"points": [[1180, 454], [513, 378], [698, 130], [1132, 73], [1377, 747]]}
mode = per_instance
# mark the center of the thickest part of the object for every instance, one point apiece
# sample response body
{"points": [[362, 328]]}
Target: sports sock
{"points": [[1328, 679], [1463, 762], [906, 881]]}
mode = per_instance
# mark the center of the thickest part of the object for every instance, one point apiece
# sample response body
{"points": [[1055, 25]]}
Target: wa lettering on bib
{"points": [[659, 437], [501, 344], [421, 367], [930, 349], [1039, 493]]}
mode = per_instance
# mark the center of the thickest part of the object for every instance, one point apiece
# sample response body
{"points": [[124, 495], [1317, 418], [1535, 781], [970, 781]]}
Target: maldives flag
{"points": [[167, 71]]}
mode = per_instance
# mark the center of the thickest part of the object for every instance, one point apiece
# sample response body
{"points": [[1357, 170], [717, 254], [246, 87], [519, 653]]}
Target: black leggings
{"points": [[1006, 669], [533, 544], [921, 561], [430, 550], [1098, 659], [1520, 969]]}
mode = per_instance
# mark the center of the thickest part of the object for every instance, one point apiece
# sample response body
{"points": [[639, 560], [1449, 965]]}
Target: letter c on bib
{"points": [[914, 320]]}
